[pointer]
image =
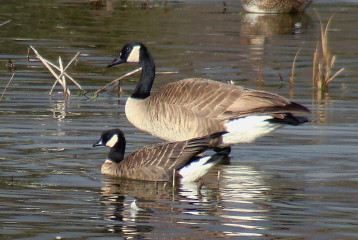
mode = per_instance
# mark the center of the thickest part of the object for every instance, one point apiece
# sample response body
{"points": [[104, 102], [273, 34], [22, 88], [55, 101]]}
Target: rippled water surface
{"points": [[298, 183]]}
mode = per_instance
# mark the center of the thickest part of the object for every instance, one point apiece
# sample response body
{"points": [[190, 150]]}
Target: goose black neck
{"points": [[145, 83], [116, 154]]}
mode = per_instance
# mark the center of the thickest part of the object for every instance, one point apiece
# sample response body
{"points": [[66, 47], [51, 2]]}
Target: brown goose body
{"points": [[188, 109], [156, 162], [196, 107]]}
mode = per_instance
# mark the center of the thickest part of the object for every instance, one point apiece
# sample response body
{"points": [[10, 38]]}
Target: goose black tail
{"points": [[289, 119]]}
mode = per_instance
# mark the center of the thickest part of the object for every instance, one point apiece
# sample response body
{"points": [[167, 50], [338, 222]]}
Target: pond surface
{"points": [[298, 183]]}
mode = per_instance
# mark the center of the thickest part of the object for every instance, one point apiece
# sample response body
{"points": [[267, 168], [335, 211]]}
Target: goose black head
{"points": [[130, 53], [110, 138]]}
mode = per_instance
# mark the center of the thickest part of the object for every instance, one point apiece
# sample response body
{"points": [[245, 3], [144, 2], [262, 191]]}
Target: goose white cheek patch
{"points": [[112, 141], [134, 55]]}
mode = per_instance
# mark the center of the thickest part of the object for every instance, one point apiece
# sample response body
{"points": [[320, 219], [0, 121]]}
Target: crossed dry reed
{"points": [[61, 77]]}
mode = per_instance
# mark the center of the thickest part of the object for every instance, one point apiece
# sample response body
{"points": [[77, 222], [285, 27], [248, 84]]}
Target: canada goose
{"points": [[197, 107], [157, 162], [275, 6]]}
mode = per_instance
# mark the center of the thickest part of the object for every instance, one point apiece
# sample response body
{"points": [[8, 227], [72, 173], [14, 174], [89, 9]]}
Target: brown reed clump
{"points": [[323, 61]]}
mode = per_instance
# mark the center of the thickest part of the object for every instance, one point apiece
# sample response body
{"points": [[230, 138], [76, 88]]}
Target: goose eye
{"points": [[127, 49]]}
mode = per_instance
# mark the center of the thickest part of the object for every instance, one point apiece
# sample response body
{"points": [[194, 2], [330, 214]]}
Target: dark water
{"points": [[299, 183]]}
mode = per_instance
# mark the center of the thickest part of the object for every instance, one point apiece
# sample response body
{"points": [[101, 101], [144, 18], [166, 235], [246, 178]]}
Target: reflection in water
{"points": [[58, 109], [235, 202], [251, 202], [109, 5], [159, 203], [258, 27], [320, 108], [241, 188], [117, 197], [275, 6]]}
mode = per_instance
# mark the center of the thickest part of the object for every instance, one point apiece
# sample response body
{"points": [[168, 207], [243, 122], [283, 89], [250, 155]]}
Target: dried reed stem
{"points": [[117, 80], [59, 78], [62, 78], [315, 65], [63, 72], [334, 75], [293, 68], [174, 175], [259, 71], [166, 72], [3, 92], [4, 23]]}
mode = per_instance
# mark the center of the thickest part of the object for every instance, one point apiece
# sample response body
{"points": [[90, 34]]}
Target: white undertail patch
{"points": [[112, 141], [248, 129], [195, 170], [134, 55]]}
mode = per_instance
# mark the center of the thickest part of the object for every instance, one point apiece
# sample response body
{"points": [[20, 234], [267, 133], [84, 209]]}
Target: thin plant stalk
{"points": [[174, 174], [62, 78], [260, 75], [3, 92], [115, 81], [315, 64], [4, 23], [294, 66], [335, 75], [293, 70]]}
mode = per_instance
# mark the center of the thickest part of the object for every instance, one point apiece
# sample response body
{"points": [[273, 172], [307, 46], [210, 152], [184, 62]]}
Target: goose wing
{"points": [[158, 161], [215, 100]]}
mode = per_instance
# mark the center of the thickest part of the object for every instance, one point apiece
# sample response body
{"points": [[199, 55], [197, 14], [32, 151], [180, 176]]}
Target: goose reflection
{"points": [[253, 201], [117, 200], [275, 6], [258, 28], [154, 201], [244, 202]]}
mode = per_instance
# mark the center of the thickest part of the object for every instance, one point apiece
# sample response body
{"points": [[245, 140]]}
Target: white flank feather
{"points": [[195, 170], [248, 129]]}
